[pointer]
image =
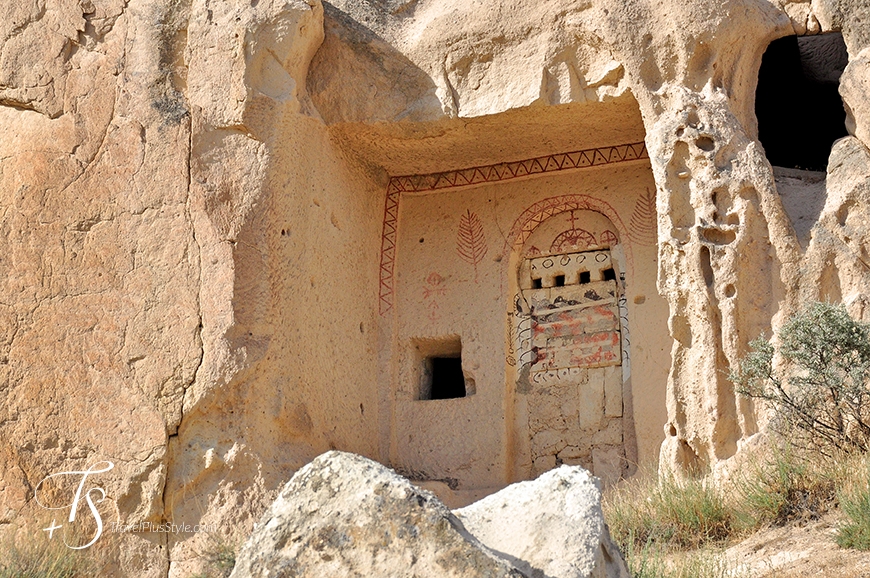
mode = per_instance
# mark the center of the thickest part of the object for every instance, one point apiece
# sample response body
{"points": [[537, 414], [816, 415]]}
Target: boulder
{"points": [[550, 527], [345, 515]]}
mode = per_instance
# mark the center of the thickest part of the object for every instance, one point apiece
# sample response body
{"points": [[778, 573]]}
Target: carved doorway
{"points": [[571, 341]]}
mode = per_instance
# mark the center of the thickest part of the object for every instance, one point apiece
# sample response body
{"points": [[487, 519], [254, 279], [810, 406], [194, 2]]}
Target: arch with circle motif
{"points": [[529, 220]]}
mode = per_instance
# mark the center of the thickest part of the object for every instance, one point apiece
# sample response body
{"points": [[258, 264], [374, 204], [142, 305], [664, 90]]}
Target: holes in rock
{"points": [[560, 280], [730, 291], [442, 376], [538, 283], [719, 236], [843, 212], [800, 112], [706, 266], [608, 275], [585, 277], [705, 143]]}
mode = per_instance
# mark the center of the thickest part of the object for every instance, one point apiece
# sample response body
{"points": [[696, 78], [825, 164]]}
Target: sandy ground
{"points": [[798, 551]]}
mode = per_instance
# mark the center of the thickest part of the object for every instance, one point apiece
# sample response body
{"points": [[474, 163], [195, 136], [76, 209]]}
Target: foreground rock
{"points": [[345, 515], [552, 526]]}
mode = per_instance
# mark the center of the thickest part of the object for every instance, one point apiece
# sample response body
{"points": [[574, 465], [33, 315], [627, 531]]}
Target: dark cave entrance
{"points": [[797, 103]]}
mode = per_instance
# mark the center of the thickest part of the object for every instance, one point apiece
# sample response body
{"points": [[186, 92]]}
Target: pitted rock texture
{"points": [[344, 515], [180, 221], [552, 526]]}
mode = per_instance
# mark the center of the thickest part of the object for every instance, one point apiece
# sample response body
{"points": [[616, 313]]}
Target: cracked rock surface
{"points": [[345, 515]]}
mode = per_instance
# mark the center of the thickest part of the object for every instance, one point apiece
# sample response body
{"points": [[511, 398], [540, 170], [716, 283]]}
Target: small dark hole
{"points": [[537, 284], [585, 277], [705, 143], [421, 239], [283, 232], [608, 275], [560, 280], [448, 382]]}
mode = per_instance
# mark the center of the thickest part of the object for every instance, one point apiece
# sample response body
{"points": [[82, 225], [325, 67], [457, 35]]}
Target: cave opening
{"points": [[797, 103]]}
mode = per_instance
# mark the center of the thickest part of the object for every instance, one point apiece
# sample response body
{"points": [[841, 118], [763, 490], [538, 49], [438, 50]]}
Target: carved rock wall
{"points": [[175, 219], [189, 275]]}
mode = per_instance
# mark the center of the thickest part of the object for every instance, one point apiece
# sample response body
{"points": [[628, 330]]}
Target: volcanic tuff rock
{"points": [[179, 220], [345, 515], [551, 526]]}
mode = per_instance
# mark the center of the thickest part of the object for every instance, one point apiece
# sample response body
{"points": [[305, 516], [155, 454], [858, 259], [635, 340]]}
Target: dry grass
{"points": [[659, 521]]}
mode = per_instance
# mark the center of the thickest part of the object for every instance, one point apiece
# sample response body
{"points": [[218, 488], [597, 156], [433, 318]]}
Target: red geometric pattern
{"points": [[543, 210], [507, 171], [572, 239], [487, 174], [388, 250]]}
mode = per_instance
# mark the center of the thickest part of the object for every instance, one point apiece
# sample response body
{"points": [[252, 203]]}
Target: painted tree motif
{"points": [[471, 241], [643, 220]]}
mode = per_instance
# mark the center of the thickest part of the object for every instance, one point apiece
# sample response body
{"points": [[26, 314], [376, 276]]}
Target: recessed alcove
{"points": [[441, 373], [797, 103]]}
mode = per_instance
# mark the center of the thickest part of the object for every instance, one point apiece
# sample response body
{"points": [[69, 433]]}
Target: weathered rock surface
{"points": [[179, 221], [345, 515], [552, 526]]}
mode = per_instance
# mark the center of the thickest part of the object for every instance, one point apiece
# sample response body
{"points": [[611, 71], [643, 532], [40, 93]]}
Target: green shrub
{"points": [[820, 392]]}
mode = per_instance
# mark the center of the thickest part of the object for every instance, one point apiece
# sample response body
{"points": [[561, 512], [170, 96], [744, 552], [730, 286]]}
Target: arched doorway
{"points": [[569, 335]]}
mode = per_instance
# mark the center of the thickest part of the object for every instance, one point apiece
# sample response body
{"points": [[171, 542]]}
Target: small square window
{"points": [[441, 373], [448, 382]]}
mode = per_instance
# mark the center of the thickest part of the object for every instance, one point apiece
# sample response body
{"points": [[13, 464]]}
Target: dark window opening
{"points": [[608, 275], [799, 109], [560, 280], [585, 277], [439, 363], [448, 381], [537, 284]]}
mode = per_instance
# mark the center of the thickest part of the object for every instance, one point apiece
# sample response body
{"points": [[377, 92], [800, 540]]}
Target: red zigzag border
{"points": [[480, 175]]}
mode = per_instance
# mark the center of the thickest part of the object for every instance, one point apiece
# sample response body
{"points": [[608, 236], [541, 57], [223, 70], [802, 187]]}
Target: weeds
{"points": [[219, 557], [854, 499], [677, 513], [648, 516], [651, 561], [786, 487], [45, 560]]}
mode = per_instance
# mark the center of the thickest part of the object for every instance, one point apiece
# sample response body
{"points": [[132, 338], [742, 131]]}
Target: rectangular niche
{"points": [[439, 363]]}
